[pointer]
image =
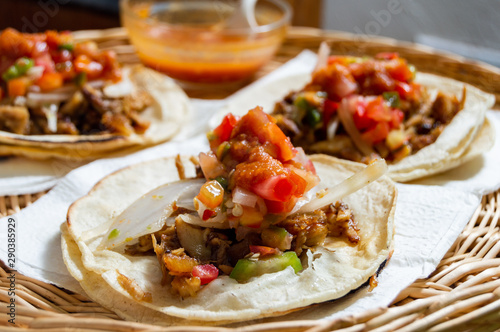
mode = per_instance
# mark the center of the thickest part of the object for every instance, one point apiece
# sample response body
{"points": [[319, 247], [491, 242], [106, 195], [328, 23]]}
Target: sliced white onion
{"points": [[37, 99], [120, 89], [20, 101], [67, 88], [323, 54], [331, 128], [50, 112], [345, 116], [210, 165], [34, 88], [194, 219], [185, 199], [148, 214], [305, 199], [352, 184], [35, 72], [244, 197], [301, 156], [345, 87], [96, 83]]}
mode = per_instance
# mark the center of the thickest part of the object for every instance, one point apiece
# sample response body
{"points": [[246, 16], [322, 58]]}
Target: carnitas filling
{"points": [[191, 256], [50, 84], [365, 108], [248, 218]]}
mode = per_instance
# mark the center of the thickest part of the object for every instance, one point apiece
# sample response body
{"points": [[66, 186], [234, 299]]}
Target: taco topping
{"points": [[256, 210], [364, 108], [50, 84]]}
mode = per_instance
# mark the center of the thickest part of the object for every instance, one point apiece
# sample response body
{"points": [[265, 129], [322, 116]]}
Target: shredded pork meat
{"points": [[88, 111], [14, 119], [224, 248]]}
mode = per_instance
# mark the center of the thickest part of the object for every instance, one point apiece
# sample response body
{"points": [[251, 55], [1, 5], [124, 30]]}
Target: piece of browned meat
{"points": [[14, 119]]}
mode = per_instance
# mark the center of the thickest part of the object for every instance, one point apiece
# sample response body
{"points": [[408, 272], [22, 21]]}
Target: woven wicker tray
{"points": [[463, 293]]}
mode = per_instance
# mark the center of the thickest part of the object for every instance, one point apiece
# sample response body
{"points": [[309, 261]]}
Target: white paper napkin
{"points": [[428, 218]]}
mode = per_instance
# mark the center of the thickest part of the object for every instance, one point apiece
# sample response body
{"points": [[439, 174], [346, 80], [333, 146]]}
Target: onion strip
{"points": [[195, 220], [345, 115], [147, 214], [323, 54], [350, 185], [331, 128]]}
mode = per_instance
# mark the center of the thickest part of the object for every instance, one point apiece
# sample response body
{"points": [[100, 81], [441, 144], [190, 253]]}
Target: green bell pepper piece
{"points": [[247, 268]]}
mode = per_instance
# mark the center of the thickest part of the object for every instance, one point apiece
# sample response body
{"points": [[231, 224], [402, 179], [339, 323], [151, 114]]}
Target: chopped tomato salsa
{"points": [[361, 108], [206, 273], [252, 154], [49, 60]]}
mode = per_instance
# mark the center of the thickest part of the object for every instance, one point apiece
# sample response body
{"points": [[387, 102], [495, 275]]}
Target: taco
{"points": [[366, 108], [59, 95], [422, 124], [254, 228]]}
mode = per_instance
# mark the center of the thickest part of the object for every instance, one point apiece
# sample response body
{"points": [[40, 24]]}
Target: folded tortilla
{"points": [[461, 135], [330, 271], [168, 113]]}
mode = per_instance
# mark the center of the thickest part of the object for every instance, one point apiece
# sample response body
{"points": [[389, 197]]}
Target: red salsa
{"points": [[256, 163], [49, 60]]}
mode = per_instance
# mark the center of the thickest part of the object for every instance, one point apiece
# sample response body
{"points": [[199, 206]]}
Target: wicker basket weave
{"points": [[462, 294]]}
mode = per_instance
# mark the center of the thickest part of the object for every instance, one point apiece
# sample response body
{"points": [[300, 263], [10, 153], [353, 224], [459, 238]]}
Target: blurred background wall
{"points": [[467, 27]]}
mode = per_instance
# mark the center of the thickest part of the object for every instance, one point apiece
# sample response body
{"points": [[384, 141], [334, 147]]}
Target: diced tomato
{"points": [[329, 108], [46, 62], [84, 64], [39, 48], [50, 81], [59, 56], [300, 182], [262, 125], [340, 59], [360, 116], [88, 48], [107, 59], [263, 250], [275, 136], [276, 188], [18, 86], [415, 92], [207, 214], [399, 70], [206, 273], [387, 55], [397, 117], [337, 81], [223, 132], [55, 39], [404, 89], [276, 207], [378, 110], [14, 45], [310, 178], [376, 134]]}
